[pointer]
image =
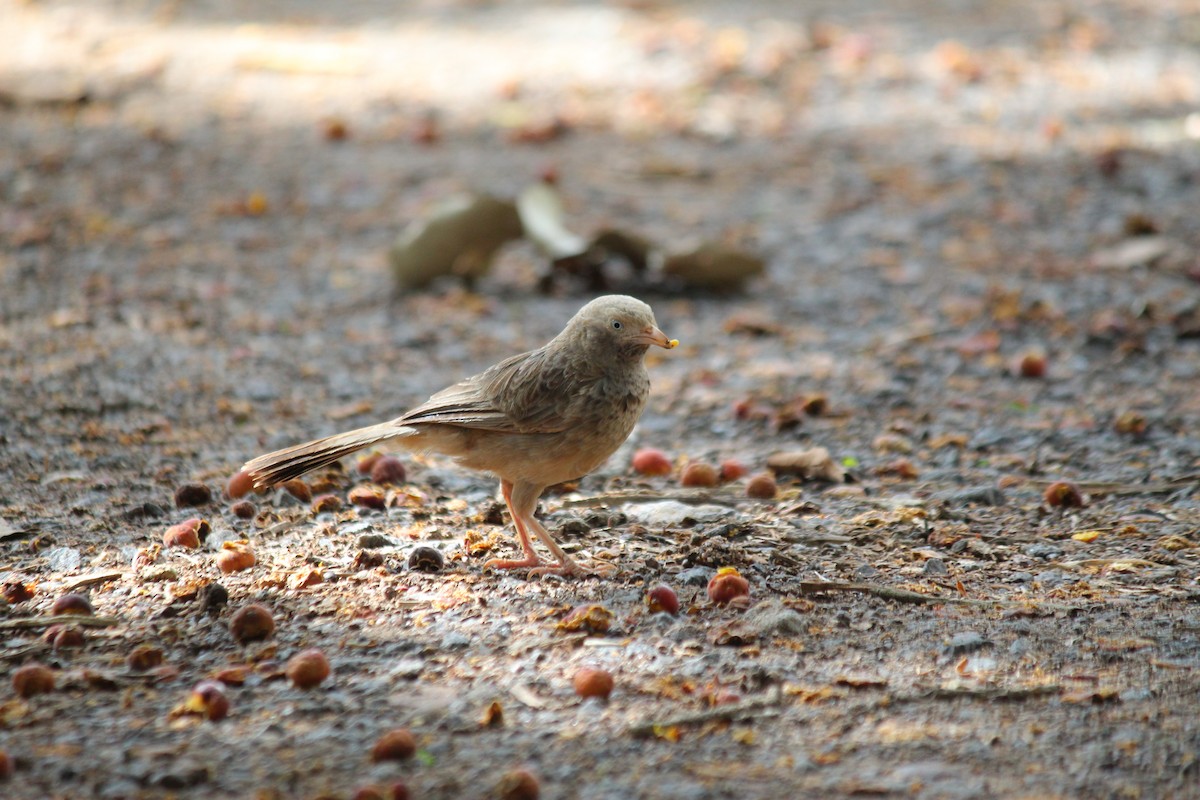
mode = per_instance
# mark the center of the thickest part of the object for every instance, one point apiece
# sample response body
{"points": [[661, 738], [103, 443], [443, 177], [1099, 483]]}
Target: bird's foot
{"points": [[513, 563]]}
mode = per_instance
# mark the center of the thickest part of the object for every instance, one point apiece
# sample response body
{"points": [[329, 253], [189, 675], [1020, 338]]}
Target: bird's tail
{"points": [[292, 462]]}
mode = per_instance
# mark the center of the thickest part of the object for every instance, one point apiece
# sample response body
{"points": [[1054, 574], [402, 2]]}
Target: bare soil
{"points": [[196, 201]]}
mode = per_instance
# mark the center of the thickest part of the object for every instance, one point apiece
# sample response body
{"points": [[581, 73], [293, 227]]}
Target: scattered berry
{"points": [[307, 669], [190, 533], [395, 745], [662, 598], [144, 657], [72, 604], [63, 637], [17, 592], [1130, 423], [699, 474], [732, 469], [591, 682], [727, 585], [244, 509], [326, 503], [235, 556], [298, 489], [1063, 494], [208, 699], [251, 623], [1031, 365], [32, 679], [368, 497], [388, 470], [762, 486], [517, 784], [240, 484], [367, 463], [649, 461]]}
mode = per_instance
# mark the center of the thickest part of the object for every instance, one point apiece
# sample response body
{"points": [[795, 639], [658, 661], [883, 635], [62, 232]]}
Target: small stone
{"points": [[696, 576], [373, 541], [966, 642], [935, 567]]}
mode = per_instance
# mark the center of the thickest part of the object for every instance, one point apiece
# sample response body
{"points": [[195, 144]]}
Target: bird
{"points": [[533, 420]]}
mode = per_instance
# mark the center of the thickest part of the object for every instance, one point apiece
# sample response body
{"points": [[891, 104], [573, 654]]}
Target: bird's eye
{"points": [[616, 323]]}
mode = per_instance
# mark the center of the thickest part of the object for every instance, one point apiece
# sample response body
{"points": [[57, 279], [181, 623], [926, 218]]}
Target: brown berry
{"points": [[815, 405], [63, 637], [208, 699], [1130, 423], [6, 767], [699, 474], [662, 598], [251, 623], [395, 745], [727, 585], [32, 679], [649, 461], [1063, 494], [426, 559], [732, 469], [1031, 365], [326, 503], [235, 557], [368, 497], [762, 486], [189, 533], [591, 682], [144, 657], [388, 470], [244, 509], [517, 784], [17, 592], [335, 129], [367, 463], [369, 793], [298, 489], [72, 604], [307, 669], [240, 484], [192, 494]]}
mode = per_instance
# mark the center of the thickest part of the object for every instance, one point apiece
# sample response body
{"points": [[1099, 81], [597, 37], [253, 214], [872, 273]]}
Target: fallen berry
{"points": [[649, 461], [190, 533], [144, 657], [591, 682], [662, 598], [235, 556], [395, 745], [699, 474], [517, 784], [251, 623], [732, 469], [72, 604], [388, 470], [192, 494], [239, 485], [32, 679], [307, 669], [1063, 494], [727, 585], [762, 486]]}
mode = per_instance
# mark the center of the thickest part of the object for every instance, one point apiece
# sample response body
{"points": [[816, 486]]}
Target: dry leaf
{"points": [[814, 464], [460, 238]]}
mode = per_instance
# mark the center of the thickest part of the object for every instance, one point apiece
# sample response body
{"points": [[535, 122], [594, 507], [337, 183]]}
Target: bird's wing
{"points": [[528, 393]]}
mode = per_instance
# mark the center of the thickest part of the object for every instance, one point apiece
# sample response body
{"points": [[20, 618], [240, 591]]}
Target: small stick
{"points": [[81, 620], [985, 693], [905, 596], [92, 580], [692, 498], [719, 713]]}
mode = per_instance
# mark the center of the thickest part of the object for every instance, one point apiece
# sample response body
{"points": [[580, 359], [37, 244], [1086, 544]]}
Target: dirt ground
{"points": [[196, 202]]}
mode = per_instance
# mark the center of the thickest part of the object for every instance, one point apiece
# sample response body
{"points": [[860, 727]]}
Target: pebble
{"points": [[935, 566], [973, 495], [696, 576], [1043, 550], [965, 642], [672, 513], [63, 559], [373, 541], [455, 641]]}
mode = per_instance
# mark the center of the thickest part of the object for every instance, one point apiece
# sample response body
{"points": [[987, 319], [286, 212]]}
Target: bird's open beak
{"points": [[653, 335]]}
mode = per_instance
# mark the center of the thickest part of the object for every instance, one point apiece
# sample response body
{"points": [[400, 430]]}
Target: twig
{"points": [[92, 580], [883, 592], [59, 619], [905, 596], [723, 713], [983, 693]]}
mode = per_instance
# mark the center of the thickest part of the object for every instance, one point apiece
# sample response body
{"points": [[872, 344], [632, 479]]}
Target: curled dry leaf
{"points": [[593, 618], [458, 238], [815, 464], [541, 211]]}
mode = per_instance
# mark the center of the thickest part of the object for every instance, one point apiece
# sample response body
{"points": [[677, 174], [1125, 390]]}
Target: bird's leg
{"points": [[524, 503], [531, 557]]}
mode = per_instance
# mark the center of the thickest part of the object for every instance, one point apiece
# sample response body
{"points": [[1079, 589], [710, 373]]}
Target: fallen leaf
{"points": [[459, 238], [715, 266], [814, 464]]}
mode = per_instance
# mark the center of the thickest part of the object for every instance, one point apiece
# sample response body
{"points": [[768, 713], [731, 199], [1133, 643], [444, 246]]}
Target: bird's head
{"points": [[621, 325]]}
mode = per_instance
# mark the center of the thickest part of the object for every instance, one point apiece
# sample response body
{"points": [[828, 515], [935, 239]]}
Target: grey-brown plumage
{"points": [[534, 420]]}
